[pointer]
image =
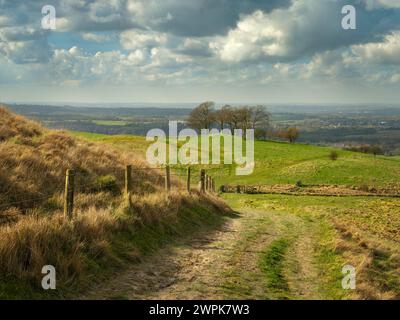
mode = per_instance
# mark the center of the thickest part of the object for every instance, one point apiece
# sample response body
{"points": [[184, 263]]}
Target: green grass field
{"points": [[359, 231], [284, 163], [125, 142], [111, 123]]}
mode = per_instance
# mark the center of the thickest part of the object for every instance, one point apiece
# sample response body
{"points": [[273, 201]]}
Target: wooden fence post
{"points": [[238, 189], [188, 179], [69, 194], [167, 178], [128, 184], [202, 181], [206, 182]]}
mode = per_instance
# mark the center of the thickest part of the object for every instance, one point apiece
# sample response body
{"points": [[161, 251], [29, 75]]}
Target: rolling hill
{"points": [[105, 233], [276, 246], [285, 163], [313, 236]]}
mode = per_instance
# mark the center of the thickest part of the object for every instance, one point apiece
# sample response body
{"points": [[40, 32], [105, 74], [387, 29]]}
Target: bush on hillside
{"points": [[365, 148], [333, 155]]}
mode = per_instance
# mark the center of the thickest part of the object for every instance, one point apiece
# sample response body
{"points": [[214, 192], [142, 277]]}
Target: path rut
{"points": [[220, 265]]}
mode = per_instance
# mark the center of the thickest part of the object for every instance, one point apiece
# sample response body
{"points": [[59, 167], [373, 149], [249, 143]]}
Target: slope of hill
{"points": [[285, 163], [104, 233], [34, 160], [313, 237]]}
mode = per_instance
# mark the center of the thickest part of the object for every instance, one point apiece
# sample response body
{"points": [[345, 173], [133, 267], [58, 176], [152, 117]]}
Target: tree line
{"points": [[366, 148], [205, 116]]}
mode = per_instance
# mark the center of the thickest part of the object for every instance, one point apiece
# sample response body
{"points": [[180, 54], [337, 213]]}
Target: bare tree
{"points": [[259, 117], [260, 134], [292, 134], [233, 118], [223, 116], [244, 116], [202, 116]]}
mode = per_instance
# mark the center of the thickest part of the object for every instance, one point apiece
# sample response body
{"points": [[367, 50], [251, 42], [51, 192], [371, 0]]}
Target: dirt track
{"points": [[221, 264]]}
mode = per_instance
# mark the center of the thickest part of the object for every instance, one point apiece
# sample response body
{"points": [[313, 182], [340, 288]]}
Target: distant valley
{"points": [[326, 125]]}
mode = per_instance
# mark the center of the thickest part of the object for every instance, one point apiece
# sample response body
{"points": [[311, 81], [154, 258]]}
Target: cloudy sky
{"points": [[264, 51]]}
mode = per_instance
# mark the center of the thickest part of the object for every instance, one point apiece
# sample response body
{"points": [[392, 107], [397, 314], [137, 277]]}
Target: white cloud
{"points": [[95, 37], [138, 39], [104, 11], [115, 67], [386, 52], [301, 30], [138, 57], [200, 41], [26, 52], [326, 64], [5, 20], [196, 47], [281, 34], [63, 24], [376, 4], [255, 36], [395, 78], [136, 7]]}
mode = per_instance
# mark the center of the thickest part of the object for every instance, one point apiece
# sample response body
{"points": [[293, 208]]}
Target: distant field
{"points": [[284, 163], [324, 125], [110, 123]]}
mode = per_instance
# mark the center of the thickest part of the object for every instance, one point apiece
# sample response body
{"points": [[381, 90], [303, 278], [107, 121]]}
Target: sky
{"points": [[250, 51]]}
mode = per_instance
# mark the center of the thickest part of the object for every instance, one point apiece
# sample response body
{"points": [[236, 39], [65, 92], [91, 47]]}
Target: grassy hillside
{"points": [[358, 231], [105, 233], [284, 163], [314, 236]]}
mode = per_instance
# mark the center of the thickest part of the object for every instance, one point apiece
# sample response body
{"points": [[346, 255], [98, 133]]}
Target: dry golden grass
{"points": [[33, 231], [32, 242], [377, 262], [12, 126], [33, 161], [158, 206]]}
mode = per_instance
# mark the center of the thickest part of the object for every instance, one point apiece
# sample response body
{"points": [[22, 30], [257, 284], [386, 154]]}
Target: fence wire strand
{"points": [[80, 187]]}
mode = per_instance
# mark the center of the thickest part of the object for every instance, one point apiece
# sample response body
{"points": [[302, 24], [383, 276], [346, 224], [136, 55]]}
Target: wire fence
{"points": [[76, 183]]}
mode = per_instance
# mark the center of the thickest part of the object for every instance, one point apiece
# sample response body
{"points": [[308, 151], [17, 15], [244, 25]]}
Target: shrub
{"points": [[290, 134], [299, 184], [333, 155], [106, 183], [365, 148]]}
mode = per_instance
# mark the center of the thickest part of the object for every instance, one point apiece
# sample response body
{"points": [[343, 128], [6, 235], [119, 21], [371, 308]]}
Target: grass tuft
{"points": [[272, 263]]}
